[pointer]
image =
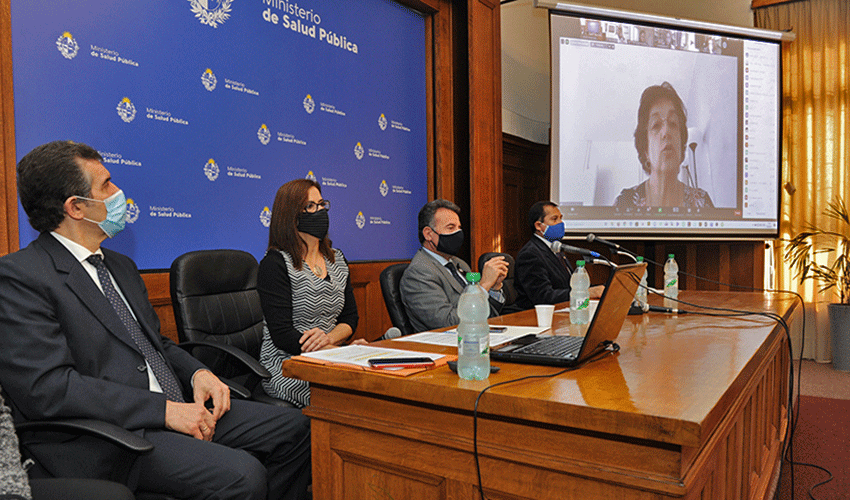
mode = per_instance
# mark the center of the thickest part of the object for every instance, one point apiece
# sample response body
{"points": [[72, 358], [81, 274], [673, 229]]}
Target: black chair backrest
{"points": [[390, 279], [215, 298], [508, 288]]}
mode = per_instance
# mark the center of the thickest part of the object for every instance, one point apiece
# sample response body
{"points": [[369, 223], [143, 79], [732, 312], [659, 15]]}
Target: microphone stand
{"points": [[636, 308], [627, 254]]}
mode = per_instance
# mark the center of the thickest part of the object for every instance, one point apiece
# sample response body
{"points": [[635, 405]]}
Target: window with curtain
{"points": [[816, 137]]}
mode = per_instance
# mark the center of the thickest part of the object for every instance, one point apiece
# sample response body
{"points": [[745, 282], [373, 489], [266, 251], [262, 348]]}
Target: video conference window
{"points": [[663, 130]]}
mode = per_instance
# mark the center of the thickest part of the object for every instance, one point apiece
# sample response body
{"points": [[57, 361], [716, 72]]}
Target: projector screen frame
{"points": [[624, 15], [698, 27]]}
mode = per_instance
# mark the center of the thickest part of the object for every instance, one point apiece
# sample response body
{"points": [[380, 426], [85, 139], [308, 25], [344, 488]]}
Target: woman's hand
{"points": [[313, 340]]}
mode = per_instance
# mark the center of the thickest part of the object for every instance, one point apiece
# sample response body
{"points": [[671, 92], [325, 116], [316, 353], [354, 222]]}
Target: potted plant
{"points": [[802, 253]]}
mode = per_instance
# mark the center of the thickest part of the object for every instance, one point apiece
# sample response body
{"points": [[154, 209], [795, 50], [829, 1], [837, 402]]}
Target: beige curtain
{"points": [[816, 136]]}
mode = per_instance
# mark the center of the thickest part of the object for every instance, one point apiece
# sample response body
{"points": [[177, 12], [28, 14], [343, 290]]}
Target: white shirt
{"points": [[82, 253], [548, 243]]}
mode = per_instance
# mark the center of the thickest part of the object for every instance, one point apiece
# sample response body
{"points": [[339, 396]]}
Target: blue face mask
{"points": [[116, 212], [554, 233]]}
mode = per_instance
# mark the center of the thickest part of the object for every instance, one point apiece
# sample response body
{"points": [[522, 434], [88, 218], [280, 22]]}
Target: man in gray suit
{"points": [[81, 340], [434, 280]]}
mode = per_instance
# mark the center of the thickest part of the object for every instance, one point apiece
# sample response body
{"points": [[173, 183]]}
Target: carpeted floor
{"points": [[822, 436], [820, 379]]}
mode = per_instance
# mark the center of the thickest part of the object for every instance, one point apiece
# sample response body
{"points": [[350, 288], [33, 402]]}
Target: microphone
{"points": [[391, 333], [610, 244], [562, 247], [592, 237], [668, 310]]}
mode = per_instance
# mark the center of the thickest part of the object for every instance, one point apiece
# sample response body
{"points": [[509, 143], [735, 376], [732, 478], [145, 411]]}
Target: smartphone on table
{"points": [[407, 362]]}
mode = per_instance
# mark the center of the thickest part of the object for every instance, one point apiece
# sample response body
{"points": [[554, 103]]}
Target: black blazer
{"points": [[541, 276]]}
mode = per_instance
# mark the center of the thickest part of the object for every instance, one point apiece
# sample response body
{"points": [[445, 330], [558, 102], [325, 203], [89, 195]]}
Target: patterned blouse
{"points": [[636, 197], [295, 301]]}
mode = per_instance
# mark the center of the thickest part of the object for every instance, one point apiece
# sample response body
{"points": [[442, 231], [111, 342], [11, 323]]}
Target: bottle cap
{"points": [[473, 277], [640, 258], [579, 263], [670, 256]]}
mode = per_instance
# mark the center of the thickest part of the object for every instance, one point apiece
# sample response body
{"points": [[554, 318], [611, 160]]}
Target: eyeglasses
{"points": [[313, 206]]}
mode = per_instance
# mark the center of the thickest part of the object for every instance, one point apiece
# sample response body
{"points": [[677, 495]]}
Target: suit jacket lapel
{"points": [[80, 282], [462, 270], [552, 257], [442, 271], [452, 279]]}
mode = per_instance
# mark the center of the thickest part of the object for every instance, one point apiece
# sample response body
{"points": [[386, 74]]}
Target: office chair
{"points": [[508, 289], [47, 488], [390, 278], [216, 304]]}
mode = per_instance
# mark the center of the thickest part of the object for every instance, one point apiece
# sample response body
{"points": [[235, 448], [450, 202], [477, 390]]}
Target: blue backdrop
{"points": [[203, 108]]}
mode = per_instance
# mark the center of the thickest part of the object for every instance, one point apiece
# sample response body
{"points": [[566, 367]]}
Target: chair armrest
{"points": [[235, 388], [97, 428], [249, 362]]}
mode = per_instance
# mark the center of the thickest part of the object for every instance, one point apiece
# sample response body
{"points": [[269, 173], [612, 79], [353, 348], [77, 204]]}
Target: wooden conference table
{"points": [[691, 407]]}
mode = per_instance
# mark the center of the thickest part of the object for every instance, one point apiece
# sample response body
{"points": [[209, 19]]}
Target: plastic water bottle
{"points": [[640, 294], [671, 283], [473, 332], [580, 295]]}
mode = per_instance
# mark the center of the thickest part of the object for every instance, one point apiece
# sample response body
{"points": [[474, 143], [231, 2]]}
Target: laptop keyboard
{"points": [[553, 346]]}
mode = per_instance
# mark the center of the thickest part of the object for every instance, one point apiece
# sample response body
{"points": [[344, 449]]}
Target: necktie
{"points": [[566, 263], [163, 374], [454, 271]]}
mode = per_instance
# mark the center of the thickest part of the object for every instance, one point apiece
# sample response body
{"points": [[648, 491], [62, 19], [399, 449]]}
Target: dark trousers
{"points": [[259, 451], [77, 489]]}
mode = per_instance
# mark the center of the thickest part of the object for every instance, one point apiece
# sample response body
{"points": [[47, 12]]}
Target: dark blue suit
{"points": [[64, 353], [541, 276]]}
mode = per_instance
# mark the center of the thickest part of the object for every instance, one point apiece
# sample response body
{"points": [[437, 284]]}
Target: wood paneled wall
{"points": [[526, 178], [8, 189], [485, 204]]}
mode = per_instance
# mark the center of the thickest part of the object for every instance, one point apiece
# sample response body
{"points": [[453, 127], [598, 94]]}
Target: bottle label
{"points": [[671, 283], [481, 347], [584, 305]]}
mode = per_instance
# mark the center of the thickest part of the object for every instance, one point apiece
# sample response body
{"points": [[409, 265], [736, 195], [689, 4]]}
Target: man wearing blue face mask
{"points": [[542, 274], [435, 279], [81, 340]]}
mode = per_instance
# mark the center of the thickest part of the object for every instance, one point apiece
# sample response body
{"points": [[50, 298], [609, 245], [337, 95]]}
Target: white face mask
{"points": [[116, 213]]}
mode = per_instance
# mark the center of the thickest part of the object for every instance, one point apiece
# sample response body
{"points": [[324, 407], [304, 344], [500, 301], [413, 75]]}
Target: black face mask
{"points": [[315, 224], [450, 243]]}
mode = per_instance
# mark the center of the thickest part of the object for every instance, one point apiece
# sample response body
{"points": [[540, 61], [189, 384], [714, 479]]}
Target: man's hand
{"points": [[313, 340], [206, 386], [494, 272], [190, 418]]}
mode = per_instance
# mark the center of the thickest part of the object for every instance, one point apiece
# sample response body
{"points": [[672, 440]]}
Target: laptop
{"points": [[604, 328]]}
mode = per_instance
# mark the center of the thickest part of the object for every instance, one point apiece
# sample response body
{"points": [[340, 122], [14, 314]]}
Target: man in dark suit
{"points": [[542, 275], [81, 340], [435, 279]]}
